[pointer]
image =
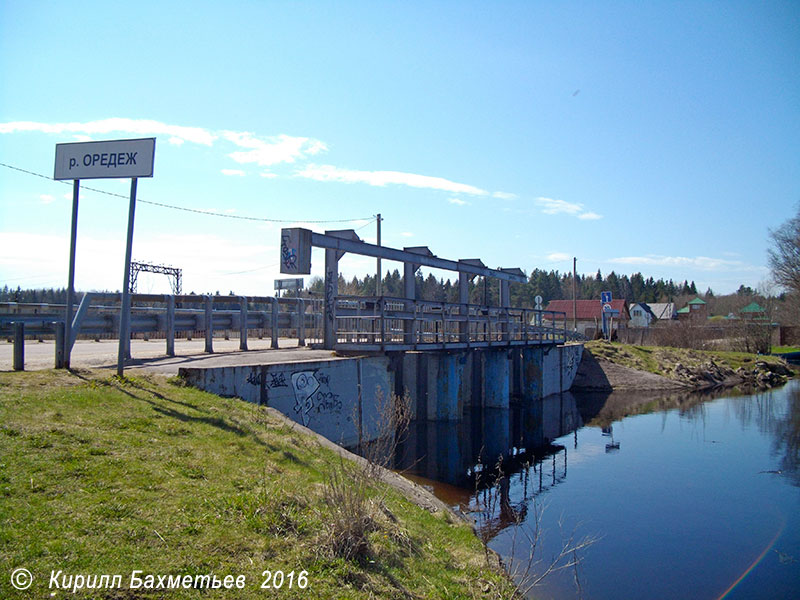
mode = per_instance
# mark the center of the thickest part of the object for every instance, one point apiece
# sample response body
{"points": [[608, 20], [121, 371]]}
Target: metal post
{"points": [[410, 289], [19, 346], [76, 185], [574, 295], [301, 326], [273, 327], [242, 323], [209, 318], [378, 282], [383, 321], [61, 343], [170, 334], [463, 310], [125, 316], [331, 291]]}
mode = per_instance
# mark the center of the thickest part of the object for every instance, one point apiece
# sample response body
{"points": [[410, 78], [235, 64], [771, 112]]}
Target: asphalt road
{"points": [[150, 356]]}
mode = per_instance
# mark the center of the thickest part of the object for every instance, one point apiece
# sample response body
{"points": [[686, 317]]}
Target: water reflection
{"points": [[688, 488], [469, 453]]}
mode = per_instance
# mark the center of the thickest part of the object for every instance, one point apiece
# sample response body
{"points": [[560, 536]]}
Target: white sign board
{"points": [[110, 159], [289, 284]]}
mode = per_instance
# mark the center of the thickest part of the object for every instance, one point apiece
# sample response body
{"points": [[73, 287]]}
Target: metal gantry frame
{"points": [[337, 243], [174, 273]]}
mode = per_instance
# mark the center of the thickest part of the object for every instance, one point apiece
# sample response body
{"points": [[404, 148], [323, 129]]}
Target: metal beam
{"points": [[328, 242]]}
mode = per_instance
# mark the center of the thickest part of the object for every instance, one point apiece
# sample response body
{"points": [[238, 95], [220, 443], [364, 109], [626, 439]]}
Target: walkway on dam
{"points": [[149, 356]]}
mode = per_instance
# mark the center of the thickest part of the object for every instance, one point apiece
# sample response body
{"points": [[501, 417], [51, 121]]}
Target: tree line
{"points": [[550, 285]]}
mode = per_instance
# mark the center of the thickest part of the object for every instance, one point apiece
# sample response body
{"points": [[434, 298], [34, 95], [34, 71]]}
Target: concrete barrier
{"points": [[339, 398], [342, 398]]}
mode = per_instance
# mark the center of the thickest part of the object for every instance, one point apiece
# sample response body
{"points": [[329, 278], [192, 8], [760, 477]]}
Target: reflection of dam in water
{"points": [[471, 453]]}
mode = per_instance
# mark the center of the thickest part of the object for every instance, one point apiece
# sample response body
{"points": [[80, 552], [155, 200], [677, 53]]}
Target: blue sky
{"points": [[661, 138]]}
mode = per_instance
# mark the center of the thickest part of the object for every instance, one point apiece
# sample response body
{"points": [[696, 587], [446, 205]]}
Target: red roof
{"points": [[588, 309]]}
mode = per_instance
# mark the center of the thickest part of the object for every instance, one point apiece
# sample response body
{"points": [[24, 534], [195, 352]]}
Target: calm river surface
{"points": [[687, 497]]}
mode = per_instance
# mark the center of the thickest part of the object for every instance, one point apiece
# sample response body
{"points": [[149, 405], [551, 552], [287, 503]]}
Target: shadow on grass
{"points": [[218, 422]]}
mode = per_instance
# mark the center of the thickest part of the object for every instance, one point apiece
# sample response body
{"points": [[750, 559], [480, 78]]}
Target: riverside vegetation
{"points": [[106, 475], [697, 369]]}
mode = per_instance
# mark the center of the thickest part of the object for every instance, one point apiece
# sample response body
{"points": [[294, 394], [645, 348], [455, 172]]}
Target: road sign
{"points": [[289, 284], [605, 297], [110, 159], [538, 303]]}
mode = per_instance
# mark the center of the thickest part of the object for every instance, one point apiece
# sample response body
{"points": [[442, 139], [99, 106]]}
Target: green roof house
{"points": [[695, 309], [753, 311]]}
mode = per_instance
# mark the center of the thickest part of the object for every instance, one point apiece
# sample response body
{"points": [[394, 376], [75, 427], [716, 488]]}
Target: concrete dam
{"points": [[339, 398]]}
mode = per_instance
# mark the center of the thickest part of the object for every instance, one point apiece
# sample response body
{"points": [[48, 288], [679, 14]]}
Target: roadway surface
{"points": [[150, 356]]}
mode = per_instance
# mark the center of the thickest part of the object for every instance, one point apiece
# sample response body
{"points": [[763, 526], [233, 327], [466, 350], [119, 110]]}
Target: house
{"points": [[663, 311], [590, 315], [753, 312], [641, 315], [696, 309]]}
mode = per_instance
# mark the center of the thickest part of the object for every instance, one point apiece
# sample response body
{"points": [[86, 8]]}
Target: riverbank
{"points": [[610, 366], [107, 476]]}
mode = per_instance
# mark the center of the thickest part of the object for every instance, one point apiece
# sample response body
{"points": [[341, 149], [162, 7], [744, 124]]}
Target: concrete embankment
{"points": [[342, 398]]}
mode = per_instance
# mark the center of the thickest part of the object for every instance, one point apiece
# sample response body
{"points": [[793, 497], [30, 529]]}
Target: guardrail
{"points": [[363, 323], [388, 323], [170, 315]]}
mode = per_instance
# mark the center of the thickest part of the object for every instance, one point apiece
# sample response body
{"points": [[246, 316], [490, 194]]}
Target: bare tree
{"points": [[784, 256]]}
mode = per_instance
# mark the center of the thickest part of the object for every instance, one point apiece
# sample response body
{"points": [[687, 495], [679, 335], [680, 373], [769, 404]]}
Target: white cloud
{"points": [[232, 172], [550, 206], [384, 178], [196, 135], [176, 141], [458, 201], [703, 263], [407, 234], [271, 150], [558, 257], [47, 198], [504, 195], [268, 175]]}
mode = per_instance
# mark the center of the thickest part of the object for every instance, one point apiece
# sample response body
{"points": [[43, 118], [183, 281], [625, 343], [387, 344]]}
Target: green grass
{"points": [[100, 475], [661, 359], [785, 349]]}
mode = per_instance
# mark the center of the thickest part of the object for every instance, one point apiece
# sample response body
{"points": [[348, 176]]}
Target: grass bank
{"points": [[661, 360], [100, 475]]}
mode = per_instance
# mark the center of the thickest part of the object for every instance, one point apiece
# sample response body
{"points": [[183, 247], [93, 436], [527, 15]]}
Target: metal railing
{"points": [[170, 316], [363, 323], [387, 323]]}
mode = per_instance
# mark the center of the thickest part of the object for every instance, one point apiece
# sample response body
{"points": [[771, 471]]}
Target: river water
{"points": [[679, 496]]}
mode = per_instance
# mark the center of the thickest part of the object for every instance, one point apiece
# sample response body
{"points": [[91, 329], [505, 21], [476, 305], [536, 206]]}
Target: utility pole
{"points": [[378, 286], [574, 295]]}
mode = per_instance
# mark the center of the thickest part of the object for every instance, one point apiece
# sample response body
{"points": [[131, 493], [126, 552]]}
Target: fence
{"points": [[388, 323], [171, 316]]}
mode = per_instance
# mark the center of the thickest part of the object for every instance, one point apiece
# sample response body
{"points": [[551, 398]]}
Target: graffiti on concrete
{"points": [[571, 366], [313, 396], [330, 294], [288, 255], [277, 380], [304, 384]]}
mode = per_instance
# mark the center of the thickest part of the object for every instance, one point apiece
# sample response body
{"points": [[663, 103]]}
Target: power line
{"points": [[191, 210]]}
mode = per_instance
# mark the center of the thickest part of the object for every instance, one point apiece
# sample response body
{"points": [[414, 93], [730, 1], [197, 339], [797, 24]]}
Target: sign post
{"points": [[110, 159]]}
